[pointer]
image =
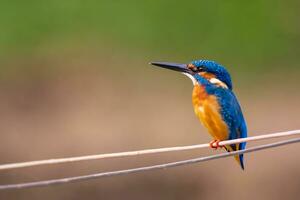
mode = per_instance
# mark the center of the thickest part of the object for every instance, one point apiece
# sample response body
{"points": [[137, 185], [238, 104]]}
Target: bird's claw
{"points": [[215, 144]]}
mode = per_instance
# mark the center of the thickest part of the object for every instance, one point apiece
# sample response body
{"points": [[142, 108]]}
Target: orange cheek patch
{"points": [[207, 75]]}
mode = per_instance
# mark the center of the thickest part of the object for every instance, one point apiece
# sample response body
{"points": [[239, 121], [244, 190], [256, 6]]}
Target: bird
{"points": [[214, 102]]}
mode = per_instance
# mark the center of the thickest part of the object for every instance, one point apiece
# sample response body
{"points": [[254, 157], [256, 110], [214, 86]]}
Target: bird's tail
{"points": [[239, 158]]}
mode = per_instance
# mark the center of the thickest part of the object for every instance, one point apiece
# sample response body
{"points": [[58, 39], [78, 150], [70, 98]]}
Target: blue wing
{"points": [[231, 113], [233, 116]]}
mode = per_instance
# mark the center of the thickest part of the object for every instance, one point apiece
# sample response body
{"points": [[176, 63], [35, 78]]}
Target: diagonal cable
{"points": [[142, 152], [143, 169]]}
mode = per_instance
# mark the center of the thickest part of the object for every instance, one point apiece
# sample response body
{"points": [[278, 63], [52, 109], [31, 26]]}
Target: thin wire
{"points": [[142, 152], [143, 169]]}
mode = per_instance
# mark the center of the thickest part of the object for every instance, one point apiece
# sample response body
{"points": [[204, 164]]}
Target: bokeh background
{"points": [[75, 80]]}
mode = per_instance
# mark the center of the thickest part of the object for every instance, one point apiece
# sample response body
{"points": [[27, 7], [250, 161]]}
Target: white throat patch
{"points": [[191, 77], [214, 81]]}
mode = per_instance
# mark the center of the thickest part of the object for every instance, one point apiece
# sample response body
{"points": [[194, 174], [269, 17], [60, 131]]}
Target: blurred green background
{"points": [[259, 34], [75, 80]]}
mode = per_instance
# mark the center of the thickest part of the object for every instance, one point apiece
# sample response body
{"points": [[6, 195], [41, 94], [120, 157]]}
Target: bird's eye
{"points": [[195, 69], [200, 69]]}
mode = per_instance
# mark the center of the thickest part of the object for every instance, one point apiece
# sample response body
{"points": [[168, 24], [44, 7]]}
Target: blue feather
{"points": [[233, 116], [230, 111], [218, 70]]}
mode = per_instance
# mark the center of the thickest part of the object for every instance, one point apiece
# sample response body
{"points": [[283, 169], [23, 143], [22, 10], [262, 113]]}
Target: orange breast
{"points": [[207, 110]]}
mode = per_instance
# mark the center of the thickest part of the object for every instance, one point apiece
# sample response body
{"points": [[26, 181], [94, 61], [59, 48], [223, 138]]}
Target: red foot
{"points": [[215, 144]]}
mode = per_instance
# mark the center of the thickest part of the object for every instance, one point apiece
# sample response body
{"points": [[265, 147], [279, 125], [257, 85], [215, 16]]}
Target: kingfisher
{"points": [[214, 102]]}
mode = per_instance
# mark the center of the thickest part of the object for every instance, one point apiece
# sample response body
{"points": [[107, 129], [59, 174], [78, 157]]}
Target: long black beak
{"points": [[173, 66]]}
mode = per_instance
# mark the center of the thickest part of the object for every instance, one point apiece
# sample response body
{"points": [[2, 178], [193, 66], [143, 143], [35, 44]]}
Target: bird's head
{"points": [[213, 72]]}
